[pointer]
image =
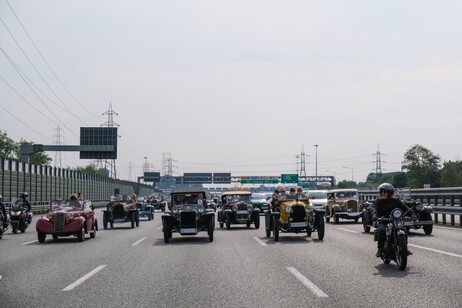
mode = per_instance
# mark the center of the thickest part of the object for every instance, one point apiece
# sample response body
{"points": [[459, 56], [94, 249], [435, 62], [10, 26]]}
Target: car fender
{"points": [[337, 208], [427, 209], [320, 211]]}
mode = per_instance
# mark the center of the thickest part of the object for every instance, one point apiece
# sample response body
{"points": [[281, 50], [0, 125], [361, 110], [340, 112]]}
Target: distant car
{"points": [[121, 210], [318, 198], [74, 217], [343, 203], [236, 208], [260, 201]]}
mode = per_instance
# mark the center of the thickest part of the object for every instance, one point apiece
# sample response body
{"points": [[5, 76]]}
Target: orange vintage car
{"points": [[74, 217]]}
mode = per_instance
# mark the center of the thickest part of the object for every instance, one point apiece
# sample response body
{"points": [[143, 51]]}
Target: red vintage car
{"points": [[74, 217]]}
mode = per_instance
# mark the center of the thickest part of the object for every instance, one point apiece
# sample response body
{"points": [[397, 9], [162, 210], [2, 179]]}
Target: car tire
{"points": [[137, 218], [132, 220], [41, 237], [93, 233], [248, 224], [276, 229], [210, 231], [335, 217], [321, 227], [428, 228], [228, 222], [81, 235], [257, 221], [166, 230], [105, 221]]}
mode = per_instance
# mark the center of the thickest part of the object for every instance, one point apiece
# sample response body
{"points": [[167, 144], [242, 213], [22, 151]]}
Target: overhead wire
{"points": [[36, 70], [48, 65]]}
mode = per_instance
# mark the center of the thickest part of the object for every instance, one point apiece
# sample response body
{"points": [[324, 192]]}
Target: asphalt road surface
{"points": [[124, 267]]}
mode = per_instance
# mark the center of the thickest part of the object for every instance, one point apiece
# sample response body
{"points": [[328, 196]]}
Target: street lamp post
{"points": [[352, 174], [316, 163]]}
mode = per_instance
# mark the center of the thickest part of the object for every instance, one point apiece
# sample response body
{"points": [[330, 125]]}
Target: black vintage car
{"points": [[236, 208], [188, 214], [121, 210]]}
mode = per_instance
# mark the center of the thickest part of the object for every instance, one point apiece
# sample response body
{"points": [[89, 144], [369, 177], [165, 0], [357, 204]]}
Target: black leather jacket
{"points": [[383, 207]]}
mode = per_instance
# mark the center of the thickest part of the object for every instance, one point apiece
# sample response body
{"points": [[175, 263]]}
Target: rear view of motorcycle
{"points": [[395, 248], [20, 218]]}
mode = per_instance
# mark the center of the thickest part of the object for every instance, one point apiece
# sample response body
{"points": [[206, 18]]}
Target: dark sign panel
{"points": [[151, 176], [222, 178], [98, 136], [197, 178]]}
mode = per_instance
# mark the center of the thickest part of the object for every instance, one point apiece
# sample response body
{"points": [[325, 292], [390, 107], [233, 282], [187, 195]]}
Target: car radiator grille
{"points": [[118, 211], [352, 205], [188, 219], [298, 214], [59, 222]]}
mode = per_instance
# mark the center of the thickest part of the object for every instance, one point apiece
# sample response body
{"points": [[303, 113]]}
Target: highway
{"points": [[124, 267]]}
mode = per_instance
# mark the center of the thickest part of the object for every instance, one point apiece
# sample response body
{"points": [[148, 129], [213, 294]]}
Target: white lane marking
{"points": [[447, 228], [260, 241], [317, 291], [139, 241], [436, 250], [1, 277], [348, 230], [27, 243], [81, 280], [160, 228]]}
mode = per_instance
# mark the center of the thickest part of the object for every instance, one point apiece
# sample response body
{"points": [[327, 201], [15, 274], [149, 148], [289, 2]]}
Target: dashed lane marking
{"points": [[313, 288], [160, 228], [79, 281], [260, 241], [139, 241], [436, 250], [27, 243], [348, 230]]}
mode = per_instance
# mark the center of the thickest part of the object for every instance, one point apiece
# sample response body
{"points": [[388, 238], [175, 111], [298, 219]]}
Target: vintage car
{"points": [[236, 208], [295, 216], [158, 204], [343, 203], [260, 201], [422, 213], [188, 214], [145, 210], [120, 210], [65, 218]]}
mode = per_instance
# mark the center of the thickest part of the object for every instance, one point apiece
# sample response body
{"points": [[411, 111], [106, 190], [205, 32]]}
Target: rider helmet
{"points": [[388, 188], [24, 195]]}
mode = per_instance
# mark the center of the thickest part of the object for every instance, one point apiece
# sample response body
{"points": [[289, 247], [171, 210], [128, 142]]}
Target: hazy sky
{"points": [[237, 86]]}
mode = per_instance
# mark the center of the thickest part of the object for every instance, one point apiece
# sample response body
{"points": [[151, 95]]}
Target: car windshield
{"points": [[347, 194], [258, 196], [193, 198], [317, 195], [237, 198]]}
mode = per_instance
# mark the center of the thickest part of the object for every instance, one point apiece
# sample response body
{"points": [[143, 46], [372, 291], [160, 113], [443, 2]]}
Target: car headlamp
{"points": [[249, 207], [419, 206], [70, 216], [110, 209], [49, 216], [200, 208], [288, 209], [235, 208], [397, 213], [308, 209]]}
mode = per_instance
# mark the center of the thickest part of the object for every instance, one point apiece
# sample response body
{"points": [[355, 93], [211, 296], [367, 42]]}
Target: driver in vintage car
{"points": [[383, 208]]}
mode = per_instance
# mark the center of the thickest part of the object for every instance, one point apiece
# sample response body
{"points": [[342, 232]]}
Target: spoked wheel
{"points": [[401, 253], [276, 229]]}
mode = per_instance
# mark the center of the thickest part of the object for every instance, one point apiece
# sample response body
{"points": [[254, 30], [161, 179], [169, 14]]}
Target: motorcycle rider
{"points": [[2, 208], [383, 208], [273, 201], [26, 203]]}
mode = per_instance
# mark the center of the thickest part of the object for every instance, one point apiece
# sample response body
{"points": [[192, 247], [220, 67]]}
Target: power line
{"points": [[48, 65], [25, 124]]}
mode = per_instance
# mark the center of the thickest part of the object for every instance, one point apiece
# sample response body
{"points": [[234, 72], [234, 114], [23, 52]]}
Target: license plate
{"points": [[408, 223], [298, 224], [188, 230]]}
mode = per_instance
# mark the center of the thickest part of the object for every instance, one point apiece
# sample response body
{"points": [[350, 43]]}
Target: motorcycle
{"points": [[395, 247], [20, 219], [3, 222]]}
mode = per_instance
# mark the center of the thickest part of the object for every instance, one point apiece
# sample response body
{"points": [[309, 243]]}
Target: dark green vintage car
{"points": [[188, 214]]}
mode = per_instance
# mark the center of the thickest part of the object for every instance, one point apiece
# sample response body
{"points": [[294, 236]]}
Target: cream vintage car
{"points": [[343, 203]]}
